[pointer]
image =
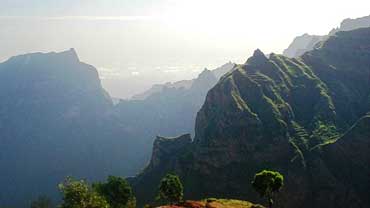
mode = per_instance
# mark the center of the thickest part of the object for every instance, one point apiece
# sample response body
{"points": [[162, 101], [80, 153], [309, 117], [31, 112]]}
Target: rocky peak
{"points": [[205, 73], [205, 81], [258, 58], [165, 148], [70, 55], [302, 44], [351, 24], [65, 57], [52, 75], [222, 70]]}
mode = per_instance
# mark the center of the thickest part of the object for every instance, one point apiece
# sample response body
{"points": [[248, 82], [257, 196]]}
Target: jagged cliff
{"points": [[169, 111], [291, 115]]}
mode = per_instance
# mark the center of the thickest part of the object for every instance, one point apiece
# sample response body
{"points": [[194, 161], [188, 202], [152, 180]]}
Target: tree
{"points": [[266, 183], [117, 192], [78, 194], [42, 202], [170, 189]]}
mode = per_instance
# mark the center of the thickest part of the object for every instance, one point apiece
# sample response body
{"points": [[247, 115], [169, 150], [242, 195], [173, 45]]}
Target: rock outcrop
{"points": [[165, 148]]}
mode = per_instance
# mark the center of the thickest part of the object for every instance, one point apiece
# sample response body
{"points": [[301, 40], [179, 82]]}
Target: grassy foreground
{"points": [[215, 203]]}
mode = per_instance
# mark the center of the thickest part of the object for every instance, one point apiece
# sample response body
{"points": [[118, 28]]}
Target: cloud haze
{"points": [[147, 34]]}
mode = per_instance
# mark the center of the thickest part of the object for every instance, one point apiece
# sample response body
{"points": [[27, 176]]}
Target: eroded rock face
{"points": [[166, 148], [282, 114]]}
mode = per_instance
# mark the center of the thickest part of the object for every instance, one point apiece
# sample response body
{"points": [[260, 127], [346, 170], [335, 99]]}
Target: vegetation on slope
{"points": [[283, 114]]}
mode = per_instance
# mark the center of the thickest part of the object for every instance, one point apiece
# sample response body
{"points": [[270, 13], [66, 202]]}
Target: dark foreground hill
{"points": [[305, 117]]}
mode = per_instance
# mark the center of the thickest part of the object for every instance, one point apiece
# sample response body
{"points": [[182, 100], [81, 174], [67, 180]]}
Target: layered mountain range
{"points": [[185, 84], [306, 117], [171, 108], [56, 120], [306, 42]]}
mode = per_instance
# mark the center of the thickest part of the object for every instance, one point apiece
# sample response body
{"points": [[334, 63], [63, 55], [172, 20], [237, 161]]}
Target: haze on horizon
{"points": [[135, 44]]}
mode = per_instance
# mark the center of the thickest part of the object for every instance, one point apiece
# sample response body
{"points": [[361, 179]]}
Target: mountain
{"points": [[302, 44], [55, 121], [222, 70], [306, 42], [305, 117], [157, 88], [352, 24], [186, 84], [170, 110]]}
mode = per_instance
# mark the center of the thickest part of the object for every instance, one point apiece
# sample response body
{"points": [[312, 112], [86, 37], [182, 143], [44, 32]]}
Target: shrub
{"points": [[170, 189], [266, 183]]}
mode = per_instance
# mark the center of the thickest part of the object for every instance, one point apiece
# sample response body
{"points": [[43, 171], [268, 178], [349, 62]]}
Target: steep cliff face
{"points": [[283, 114], [165, 154], [348, 160], [164, 148], [352, 24], [169, 111], [55, 121], [58, 80]]}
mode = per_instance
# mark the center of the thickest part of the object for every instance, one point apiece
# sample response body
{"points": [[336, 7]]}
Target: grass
{"points": [[214, 203], [229, 203]]}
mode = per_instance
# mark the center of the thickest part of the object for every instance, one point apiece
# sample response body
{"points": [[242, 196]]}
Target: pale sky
{"points": [[135, 44]]}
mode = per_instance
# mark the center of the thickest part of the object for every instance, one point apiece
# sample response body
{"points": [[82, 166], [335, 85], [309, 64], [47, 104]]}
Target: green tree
{"points": [[170, 189], [266, 183], [42, 202], [117, 192], [78, 194]]}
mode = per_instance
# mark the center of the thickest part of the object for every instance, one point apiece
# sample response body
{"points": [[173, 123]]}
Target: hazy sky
{"points": [[137, 43]]}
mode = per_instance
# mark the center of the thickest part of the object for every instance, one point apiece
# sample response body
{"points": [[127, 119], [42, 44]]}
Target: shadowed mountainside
{"points": [[56, 120], [169, 111]]}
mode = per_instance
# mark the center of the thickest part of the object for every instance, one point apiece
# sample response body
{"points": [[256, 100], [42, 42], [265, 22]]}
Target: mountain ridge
{"points": [[56, 120], [306, 42], [277, 113]]}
